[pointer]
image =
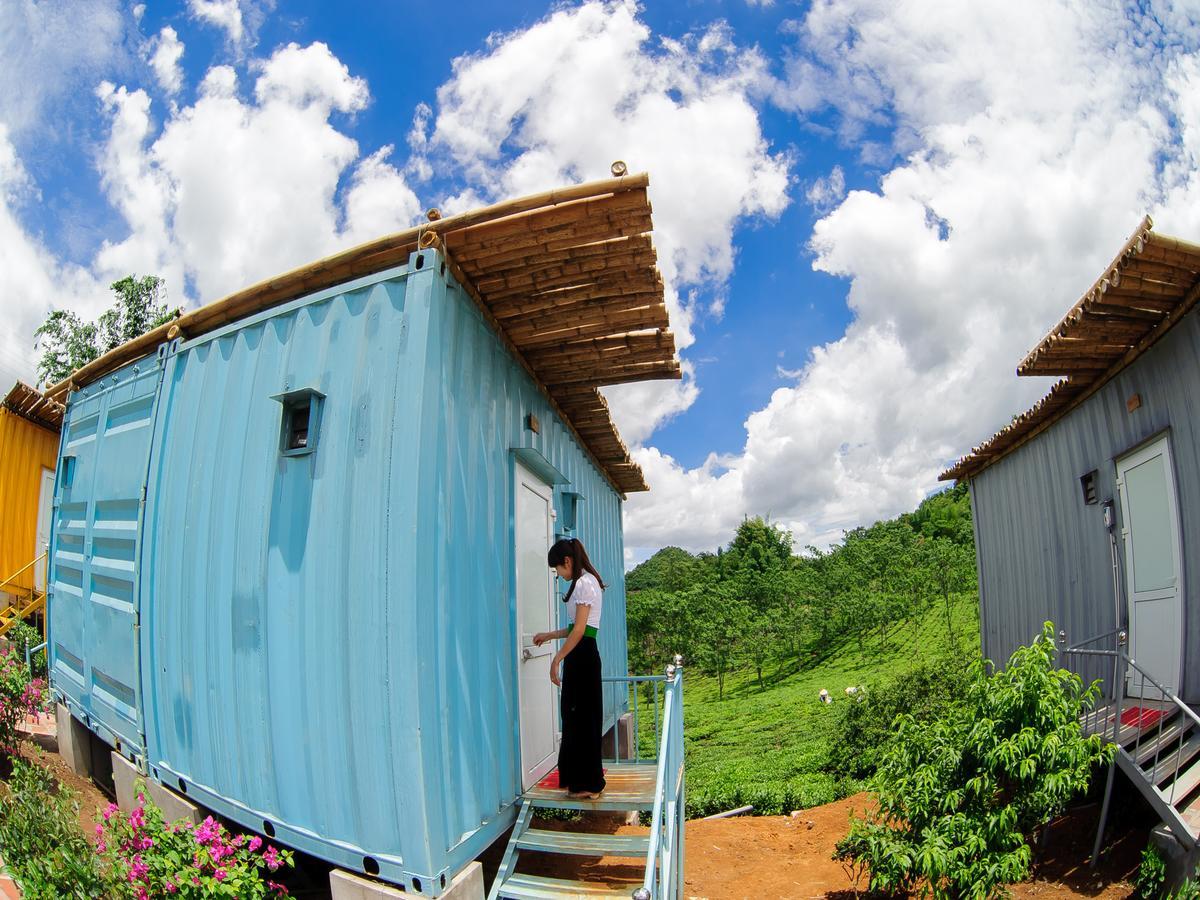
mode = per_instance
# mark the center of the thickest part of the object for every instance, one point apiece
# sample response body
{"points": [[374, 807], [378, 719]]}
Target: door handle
{"points": [[527, 654]]}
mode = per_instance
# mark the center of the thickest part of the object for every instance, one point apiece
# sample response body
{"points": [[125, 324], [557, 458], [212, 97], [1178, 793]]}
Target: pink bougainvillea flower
{"points": [[271, 858], [255, 843]]}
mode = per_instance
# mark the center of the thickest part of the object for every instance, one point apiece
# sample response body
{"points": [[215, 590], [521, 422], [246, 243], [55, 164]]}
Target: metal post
{"points": [[1118, 701]]}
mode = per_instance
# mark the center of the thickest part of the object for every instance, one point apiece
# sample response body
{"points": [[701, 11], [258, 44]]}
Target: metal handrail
{"points": [[634, 681], [23, 568], [664, 856], [1123, 663]]}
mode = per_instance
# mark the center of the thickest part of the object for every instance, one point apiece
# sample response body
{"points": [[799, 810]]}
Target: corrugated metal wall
{"points": [[270, 637], [471, 411], [107, 434], [1044, 554], [25, 449]]}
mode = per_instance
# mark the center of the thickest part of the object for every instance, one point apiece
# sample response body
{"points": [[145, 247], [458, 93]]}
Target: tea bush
{"points": [[863, 728], [43, 847], [958, 797]]}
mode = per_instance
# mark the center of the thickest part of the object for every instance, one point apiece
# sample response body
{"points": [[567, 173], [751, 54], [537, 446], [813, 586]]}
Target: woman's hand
{"points": [[541, 637], [555, 678]]}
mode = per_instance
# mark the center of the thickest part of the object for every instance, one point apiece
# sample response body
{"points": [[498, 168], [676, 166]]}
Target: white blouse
{"points": [[587, 593]]}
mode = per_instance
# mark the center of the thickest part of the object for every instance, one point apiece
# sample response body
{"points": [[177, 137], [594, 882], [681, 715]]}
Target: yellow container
{"points": [[28, 455]]}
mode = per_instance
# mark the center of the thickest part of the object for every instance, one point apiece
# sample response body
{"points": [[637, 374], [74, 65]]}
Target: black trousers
{"points": [[582, 708]]}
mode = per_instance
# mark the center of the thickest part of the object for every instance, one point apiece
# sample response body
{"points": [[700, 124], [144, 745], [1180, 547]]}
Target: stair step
{"points": [[1173, 758], [1178, 790], [537, 887], [580, 843], [1166, 741], [1190, 814], [1129, 735]]}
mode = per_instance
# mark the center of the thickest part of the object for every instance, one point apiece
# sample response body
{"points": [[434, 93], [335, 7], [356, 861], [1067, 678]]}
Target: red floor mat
{"points": [[551, 780], [1140, 717]]}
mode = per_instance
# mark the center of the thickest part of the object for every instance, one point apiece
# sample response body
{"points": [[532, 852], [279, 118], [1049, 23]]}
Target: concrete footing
{"points": [[173, 806], [1181, 862], [74, 742], [467, 885]]}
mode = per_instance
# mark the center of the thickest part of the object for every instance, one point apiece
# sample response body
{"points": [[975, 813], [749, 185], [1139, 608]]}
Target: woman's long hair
{"points": [[572, 549]]}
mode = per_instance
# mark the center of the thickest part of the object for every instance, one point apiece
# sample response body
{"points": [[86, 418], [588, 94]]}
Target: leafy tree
{"points": [[68, 343], [946, 514], [760, 546], [657, 626], [670, 569], [719, 618], [958, 798], [947, 568]]}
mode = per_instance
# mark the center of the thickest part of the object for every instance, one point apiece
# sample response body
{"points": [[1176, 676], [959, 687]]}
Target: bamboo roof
{"points": [[32, 405], [567, 278], [1149, 286]]}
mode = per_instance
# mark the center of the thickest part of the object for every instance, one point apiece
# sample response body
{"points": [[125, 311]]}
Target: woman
{"points": [[579, 769]]}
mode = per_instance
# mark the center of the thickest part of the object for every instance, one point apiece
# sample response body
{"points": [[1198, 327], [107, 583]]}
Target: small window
{"points": [[569, 521], [297, 433], [1088, 484], [301, 421], [68, 472]]}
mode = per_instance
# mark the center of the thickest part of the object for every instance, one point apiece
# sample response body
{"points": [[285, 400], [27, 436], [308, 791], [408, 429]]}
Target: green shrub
{"points": [[958, 797], [20, 635], [863, 727], [19, 697], [43, 847], [1151, 874]]}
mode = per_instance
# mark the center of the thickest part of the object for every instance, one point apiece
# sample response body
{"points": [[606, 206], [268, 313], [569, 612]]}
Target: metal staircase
{"points": [[1157, 738], [656, 787], [29, 600]]}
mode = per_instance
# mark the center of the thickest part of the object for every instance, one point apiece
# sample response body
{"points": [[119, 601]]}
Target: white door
{"points": [[535, 612], [45, 514], [1150, 528]]}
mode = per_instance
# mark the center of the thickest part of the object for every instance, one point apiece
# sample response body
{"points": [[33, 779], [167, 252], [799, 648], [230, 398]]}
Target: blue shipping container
{"points": [[284, 570]]}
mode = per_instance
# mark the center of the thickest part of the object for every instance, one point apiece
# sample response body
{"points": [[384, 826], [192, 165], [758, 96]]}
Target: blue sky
{"points": [[865, 212]]}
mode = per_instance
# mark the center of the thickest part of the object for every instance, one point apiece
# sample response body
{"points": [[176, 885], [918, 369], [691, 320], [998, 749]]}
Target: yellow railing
{"points": [[25, 568], [22, 609]]}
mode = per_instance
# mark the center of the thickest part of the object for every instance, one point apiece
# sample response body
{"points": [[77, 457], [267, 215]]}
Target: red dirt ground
{"points": [[786, 857]]}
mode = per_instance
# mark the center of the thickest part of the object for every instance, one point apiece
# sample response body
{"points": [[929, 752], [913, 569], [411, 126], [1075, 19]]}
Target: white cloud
{"points": [[223, 14], [207, 197], [46, 50], [825, 193], [1013, 186], [560, 101], [165, 52]]}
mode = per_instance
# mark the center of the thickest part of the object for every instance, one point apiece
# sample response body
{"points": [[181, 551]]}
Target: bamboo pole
{"points": [[630, 341], [536, 277], [627, 277], [615, 325], [637, 319], [625, 374], [515, 261], [572, 300], [541, 216]]}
